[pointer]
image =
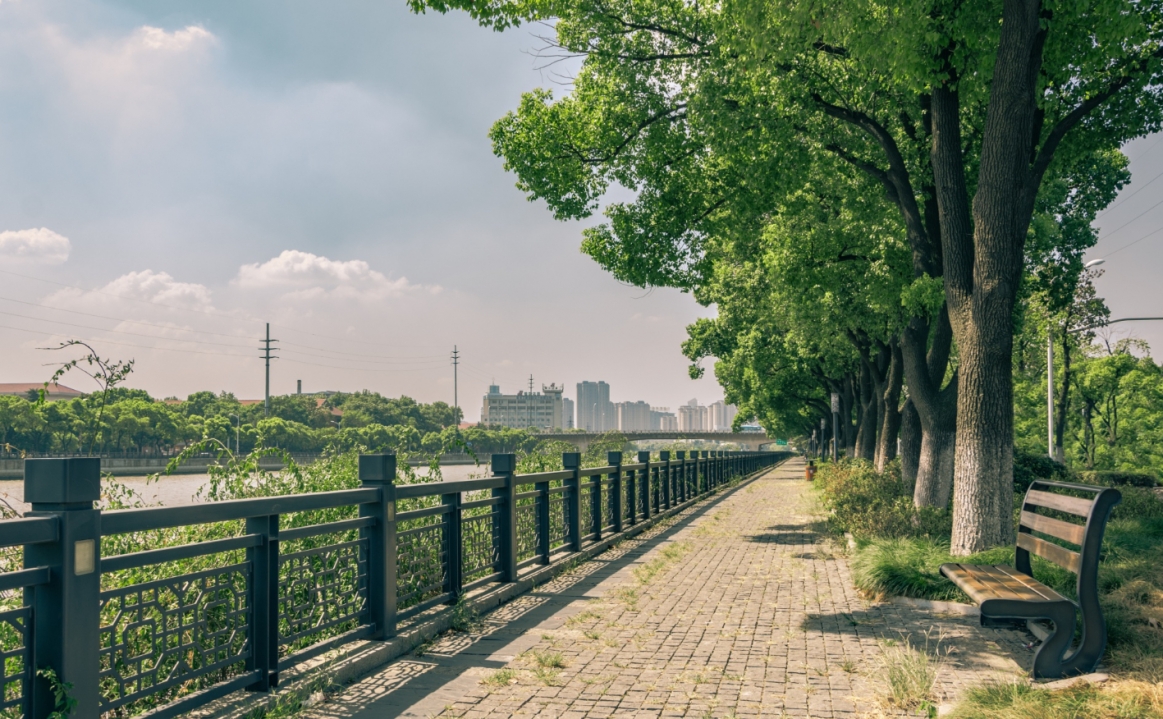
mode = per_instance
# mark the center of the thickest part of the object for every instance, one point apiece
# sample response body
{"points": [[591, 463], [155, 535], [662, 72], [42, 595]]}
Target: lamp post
{"points": [[237, 431]]}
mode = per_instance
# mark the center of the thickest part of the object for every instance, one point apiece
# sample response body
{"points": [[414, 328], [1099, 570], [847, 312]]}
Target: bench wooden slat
{"points": [[1033, 584], [1073, 533], [1048, 550], [984, 582], [1061, 502]]}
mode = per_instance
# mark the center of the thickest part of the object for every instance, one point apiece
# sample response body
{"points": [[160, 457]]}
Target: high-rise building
{"points": [[633, 416], [595, 412], [542, 410], [692, 417], [567, 413], [722, 416], [662, 418]]}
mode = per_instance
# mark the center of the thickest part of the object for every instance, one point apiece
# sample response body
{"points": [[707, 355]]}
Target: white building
{"points": [[542, 410], [692, 417], [722, 416], [567, 412], [633, 416], [662, 418]]}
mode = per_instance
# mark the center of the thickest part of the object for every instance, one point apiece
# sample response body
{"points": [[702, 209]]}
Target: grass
{"points": [[909, 674], [670, 553], [500, 678], [1123, 700]]}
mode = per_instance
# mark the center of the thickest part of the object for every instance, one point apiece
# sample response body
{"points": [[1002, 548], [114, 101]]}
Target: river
{"points": [[183, 488]]}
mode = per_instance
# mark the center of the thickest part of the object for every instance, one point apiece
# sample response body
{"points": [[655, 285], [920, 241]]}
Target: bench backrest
{"points": [[1093, 509]]}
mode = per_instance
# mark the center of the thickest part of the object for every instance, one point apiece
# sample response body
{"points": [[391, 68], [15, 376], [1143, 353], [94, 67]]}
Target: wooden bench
{"points": [[1009, 595]]}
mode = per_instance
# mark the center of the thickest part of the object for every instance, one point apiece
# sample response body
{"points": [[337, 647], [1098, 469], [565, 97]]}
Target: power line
{"points": [[386, 359], [1131, 244], [211, 313]]}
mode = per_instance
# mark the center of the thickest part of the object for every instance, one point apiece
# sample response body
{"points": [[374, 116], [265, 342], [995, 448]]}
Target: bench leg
{"points": [[1048, 661]]}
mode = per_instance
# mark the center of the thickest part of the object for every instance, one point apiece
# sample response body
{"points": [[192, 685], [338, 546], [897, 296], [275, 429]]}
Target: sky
{"points": [[174, 175]]}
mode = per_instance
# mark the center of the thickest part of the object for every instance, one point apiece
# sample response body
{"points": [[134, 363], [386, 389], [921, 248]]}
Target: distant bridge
{"points": [[747, 440]]}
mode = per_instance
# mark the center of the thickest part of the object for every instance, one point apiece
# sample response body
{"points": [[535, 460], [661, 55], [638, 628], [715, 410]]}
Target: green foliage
{"points": [[1117, 478], [1029, 466], [869, 504], [63, 701]]}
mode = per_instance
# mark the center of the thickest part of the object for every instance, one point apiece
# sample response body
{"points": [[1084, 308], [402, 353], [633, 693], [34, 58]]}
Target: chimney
{"points": [[300, 390]]}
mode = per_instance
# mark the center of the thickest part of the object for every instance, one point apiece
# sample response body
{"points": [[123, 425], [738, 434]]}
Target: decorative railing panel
{"points": [[16, 655], [169, 637]]}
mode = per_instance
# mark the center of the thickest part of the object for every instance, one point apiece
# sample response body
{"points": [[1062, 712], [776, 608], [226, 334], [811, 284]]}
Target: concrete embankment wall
{"points": [[141, 466]]}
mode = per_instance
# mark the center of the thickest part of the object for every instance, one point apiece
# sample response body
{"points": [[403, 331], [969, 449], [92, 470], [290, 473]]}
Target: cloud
{"points": [[38, 245], [307, 275], [145, 286], [155, 38]]}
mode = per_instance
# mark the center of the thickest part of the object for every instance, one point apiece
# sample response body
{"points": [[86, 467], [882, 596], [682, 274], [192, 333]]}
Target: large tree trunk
{"points": [[934, 484], [866, 436], [910, 446], [890, 413], [983, 264]]}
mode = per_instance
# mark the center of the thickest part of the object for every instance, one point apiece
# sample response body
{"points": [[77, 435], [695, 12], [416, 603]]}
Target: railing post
{"points": [[572, 462], [664, 472], [504, 465], [616, 509], [681, 477], [379, 471], [644, 458], [66, 619], [455, 545], [700, 470], [264, 562], [543, 535], [596, 505], [632, 496]]}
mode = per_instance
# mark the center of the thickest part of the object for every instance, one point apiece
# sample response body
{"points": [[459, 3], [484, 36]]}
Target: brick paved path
{"points": [[738, 608]]}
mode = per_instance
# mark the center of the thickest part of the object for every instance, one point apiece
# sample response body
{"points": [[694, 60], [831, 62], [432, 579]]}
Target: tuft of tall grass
{"points": [[1124, 700], [909, 674], [901, 567]]}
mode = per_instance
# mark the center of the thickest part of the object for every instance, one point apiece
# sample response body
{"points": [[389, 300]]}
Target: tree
{"points": [[959, 111]]}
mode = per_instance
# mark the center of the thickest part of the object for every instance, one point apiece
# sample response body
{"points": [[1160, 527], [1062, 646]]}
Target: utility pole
{"points": [[529, 403], [266, 350], [455, 399], [835, 426]]}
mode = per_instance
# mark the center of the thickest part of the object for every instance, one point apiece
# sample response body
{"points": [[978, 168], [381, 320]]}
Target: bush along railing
{"points": [[231, 593]]}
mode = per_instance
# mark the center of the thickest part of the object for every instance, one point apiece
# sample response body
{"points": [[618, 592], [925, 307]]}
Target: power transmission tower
{"points": [[455, 399], [529, 402], [266, 350]]}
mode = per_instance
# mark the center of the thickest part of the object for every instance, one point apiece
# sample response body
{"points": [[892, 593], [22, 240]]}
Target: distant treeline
{"points": [[134, 421]]}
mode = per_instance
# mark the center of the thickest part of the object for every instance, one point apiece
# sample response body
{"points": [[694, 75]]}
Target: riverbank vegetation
{"points": [[130, 420]]}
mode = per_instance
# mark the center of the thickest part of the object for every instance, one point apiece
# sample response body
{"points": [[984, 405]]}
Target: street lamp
{"points": [[237, 430]]}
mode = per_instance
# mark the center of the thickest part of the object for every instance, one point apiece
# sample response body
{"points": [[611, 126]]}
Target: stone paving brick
{"points": [[749, 612]]}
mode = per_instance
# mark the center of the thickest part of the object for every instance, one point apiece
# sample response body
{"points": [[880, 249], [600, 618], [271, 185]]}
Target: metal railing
{"points": [[234, 592]]}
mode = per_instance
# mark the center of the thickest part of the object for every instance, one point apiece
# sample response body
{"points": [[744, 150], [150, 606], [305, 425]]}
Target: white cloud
{"points": [[37, 245], [310, 276], [145, 286], [155, 38]]}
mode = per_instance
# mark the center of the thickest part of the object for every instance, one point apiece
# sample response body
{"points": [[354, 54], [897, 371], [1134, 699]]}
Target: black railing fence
{"points": [[234, 592]]}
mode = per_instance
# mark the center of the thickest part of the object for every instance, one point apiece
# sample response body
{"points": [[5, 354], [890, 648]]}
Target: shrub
{"points": [[1029, 466], [1116, 479], [870, 504]]}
